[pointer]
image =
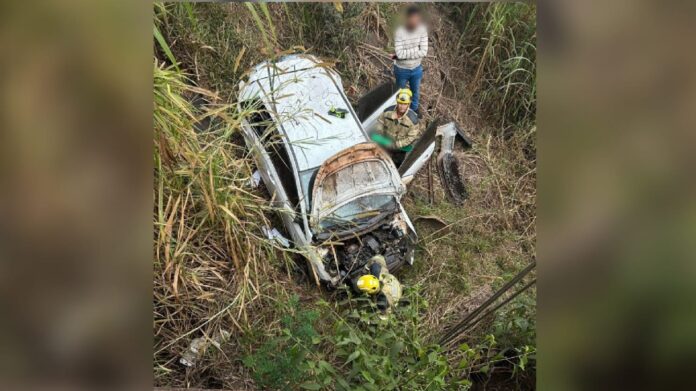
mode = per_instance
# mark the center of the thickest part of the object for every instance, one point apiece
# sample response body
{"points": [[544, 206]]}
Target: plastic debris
{"points": [[255, 179], [200, 345], [274, 234]]}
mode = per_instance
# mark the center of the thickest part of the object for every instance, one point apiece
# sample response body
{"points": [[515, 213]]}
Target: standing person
{"points": [[411, 46]]}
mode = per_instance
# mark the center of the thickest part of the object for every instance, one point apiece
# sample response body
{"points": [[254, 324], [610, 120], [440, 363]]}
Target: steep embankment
{"points": [[472, 248], [215, 273]]}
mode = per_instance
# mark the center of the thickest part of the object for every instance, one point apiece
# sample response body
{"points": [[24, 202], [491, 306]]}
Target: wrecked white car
{"points": [[337, 193]]}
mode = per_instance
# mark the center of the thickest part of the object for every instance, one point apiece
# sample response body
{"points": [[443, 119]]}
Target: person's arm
{"points": [[423, 45], [378, 135], [410, 138], [406, 50], [380, 124]]}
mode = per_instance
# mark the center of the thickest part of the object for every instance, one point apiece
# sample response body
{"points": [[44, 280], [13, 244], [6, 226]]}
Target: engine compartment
{"points": [[347, 258]]}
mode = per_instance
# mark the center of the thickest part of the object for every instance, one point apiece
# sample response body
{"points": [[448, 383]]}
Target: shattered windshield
{"points": [[360, 212]]}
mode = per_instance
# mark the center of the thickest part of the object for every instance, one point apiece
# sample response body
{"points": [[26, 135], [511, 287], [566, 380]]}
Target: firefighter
{"points": [[398, 127], [380, 283]]}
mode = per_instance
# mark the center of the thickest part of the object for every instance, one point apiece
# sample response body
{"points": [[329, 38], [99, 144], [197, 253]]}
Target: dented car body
{"points": [[337, 193]]}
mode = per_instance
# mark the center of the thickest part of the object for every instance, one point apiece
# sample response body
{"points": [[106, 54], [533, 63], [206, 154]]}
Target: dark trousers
{"points": [[413, 77]]}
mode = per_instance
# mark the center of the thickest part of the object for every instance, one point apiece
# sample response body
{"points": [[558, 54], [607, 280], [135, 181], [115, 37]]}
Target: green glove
{"points": [[407, 148], [382, 140]]}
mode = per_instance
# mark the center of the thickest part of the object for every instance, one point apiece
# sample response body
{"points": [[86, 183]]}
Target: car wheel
{"points": [[454, 185]]}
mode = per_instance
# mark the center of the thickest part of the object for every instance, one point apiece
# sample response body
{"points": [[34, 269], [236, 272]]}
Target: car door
{"points": [[442, 133], [270, 156]]}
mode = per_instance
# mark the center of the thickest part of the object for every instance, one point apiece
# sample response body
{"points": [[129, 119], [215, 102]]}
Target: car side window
{"points": [[264, 126]]}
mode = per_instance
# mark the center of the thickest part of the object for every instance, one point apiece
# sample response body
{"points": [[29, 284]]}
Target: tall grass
{"points": [[213, 268], [501, 41], [498, 41], [202, 38], [261, 26], [337, 33], [214, 271]]}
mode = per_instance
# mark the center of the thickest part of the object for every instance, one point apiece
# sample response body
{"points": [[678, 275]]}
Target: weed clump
{"points": [[282, 360]]}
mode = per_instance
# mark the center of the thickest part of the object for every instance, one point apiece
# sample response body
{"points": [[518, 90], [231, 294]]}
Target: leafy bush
{"points": [[323, 25], [515, 324], [368, 352], [282, 361], [387, 354]]}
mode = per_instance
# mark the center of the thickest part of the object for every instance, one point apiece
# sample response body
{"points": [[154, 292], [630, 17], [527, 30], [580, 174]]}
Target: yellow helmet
{"points": [[368, 284], [404, 96]]}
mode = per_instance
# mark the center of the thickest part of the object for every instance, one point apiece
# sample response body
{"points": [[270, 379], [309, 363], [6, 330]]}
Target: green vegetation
{"points": [[388, 354], [361, 351], [214, 270], [500, 40], [284, 361]]}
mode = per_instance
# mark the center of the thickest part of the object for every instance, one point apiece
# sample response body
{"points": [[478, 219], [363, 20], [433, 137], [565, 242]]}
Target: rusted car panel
{"points": [[361, 170]]}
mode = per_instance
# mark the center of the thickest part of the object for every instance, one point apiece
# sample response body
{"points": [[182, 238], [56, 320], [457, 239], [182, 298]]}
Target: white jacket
{"points": [[410, 46]]}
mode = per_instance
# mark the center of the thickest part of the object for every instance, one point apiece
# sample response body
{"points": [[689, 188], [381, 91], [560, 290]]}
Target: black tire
{"points": [[451, 179]]}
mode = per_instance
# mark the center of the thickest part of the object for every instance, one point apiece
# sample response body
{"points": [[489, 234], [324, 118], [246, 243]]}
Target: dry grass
{"points": [[213, 270]]}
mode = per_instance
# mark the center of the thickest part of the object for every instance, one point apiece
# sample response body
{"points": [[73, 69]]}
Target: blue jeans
{"points": [[413, 77]]}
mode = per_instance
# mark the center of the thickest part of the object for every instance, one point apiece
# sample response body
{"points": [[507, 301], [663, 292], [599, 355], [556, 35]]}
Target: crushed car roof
{"points": [[299, 91]]}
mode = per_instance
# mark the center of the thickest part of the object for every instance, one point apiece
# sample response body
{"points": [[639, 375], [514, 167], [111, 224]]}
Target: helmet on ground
{"points": [[404, 96], [368, 284]]}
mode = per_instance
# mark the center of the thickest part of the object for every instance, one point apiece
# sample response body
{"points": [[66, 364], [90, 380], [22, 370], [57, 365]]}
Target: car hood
{"points": [[363, 169]]}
